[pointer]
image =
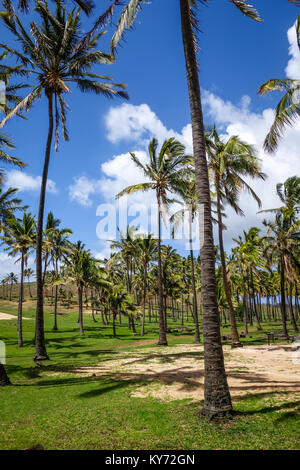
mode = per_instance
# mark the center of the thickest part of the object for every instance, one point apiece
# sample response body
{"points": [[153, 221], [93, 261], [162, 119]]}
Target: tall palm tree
{"points": [[165, 171], [60, 248], [53, 53], [288, 108], [29, 273], [51, 225], [127, 246], [147, 252], [283, 246], [20, 238], [230, 163], [12, 278], [190, 198], [78, 270]]}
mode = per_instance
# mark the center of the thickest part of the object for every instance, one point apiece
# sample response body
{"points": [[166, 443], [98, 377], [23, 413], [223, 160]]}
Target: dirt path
{"points": [[178, 372], [7, 316]]}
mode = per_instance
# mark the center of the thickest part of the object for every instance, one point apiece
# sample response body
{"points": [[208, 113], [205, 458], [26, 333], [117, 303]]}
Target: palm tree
{"points": [[6, 143], [78, 270], [229, 163], [8, 205], [147, 252], [288, 108], [54, 54], [190, 198], [20, 237], [12, 279], [164, 172], [29, 273], [283, 237], [59, 250], [23, 5], [119, 301], [51, 225], [127, 247]]}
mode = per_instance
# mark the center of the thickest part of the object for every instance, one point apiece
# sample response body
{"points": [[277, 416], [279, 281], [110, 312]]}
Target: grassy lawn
{"points": [[48, 405]]}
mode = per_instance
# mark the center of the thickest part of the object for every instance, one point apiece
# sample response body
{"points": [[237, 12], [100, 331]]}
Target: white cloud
{"points": [[25, 182], [293, 67], [139, 124], [9, 265], [81, 190]]}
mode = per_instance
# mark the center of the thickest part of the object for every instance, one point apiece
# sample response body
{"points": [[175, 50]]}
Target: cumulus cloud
{"points": [[139, 124], [25, 182], [81, 190], [293, 67]]}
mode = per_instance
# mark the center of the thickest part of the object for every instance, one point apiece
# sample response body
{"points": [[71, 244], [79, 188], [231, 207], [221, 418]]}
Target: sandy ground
{"points": [[178, 372], [6, 316]]}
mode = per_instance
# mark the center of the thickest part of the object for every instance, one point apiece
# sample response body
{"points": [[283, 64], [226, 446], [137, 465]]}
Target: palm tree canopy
{"points": [[9, 204], [229, 164], [52, 54], [165, 170], [19, 235]]}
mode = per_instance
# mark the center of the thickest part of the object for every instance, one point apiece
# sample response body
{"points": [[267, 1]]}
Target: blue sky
{"points": [[237, 55]]}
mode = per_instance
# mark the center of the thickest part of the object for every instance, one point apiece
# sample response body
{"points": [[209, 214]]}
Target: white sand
{"points": [[7, 316]]}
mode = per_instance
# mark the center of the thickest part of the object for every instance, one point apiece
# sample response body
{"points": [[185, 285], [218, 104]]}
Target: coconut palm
{"points": [[53, 54], [119, 301], [190, 198], [12, 278], [283, 247], [288, 108], [147, 252], [9, 204], [230, 163], [86, 5], [20, 238], [51, 225], [60, 248], [29, 273], [164, 172]]}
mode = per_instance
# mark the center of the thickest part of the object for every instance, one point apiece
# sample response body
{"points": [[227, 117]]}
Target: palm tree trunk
{"points": [[235, 340], [40, 345], [217, 400], [80, 317], [29, 289], [282, 294], [55, 300], [144, 301], [114, 325], [4, 380], [162, 339], [20, 308], [195, 306], [293, 321]]}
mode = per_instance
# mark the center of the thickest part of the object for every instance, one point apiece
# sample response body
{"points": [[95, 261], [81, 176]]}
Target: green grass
{"points": [[48, 405]]}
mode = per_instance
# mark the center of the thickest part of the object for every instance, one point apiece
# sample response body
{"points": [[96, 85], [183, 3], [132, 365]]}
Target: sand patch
{"points": [[7, 316], [178, 372]]}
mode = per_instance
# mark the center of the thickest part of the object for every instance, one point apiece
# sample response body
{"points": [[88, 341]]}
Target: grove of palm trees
{"points": [[167, 318]]}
